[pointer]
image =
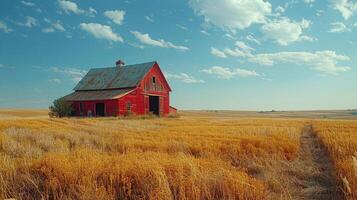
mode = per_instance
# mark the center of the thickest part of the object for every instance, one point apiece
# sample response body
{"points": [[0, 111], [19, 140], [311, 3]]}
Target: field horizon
{"points": [[313, 114]]}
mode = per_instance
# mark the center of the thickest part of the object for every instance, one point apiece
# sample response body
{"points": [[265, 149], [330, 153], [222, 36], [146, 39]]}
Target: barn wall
{"points": [[160, 88], [111, 107]]}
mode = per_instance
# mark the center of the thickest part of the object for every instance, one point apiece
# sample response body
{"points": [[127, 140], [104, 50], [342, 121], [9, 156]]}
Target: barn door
{"points": [[154, 105], [100, 109]]}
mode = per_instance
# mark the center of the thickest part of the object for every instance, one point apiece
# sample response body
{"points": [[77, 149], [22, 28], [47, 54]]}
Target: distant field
{"points": [[200, 155], [323, 114], [326, 114], [23, 113]]}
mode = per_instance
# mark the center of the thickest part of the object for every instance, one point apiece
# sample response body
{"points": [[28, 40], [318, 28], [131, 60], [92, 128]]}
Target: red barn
{"points": [[139, 89]]}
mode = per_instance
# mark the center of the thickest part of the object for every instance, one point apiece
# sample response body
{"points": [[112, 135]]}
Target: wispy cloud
{"points": [[146, 39], [204, 32], [241, 50], [71, 7], [182, 27], [27, 3], [101, 32], [284, 31], [30, 22], [48, 30], [72, 73], [347, 8], [323, 61], [4, 28], [184, 77], [55, 80], [148, 18], [117, 16], [253, 39], [228, 73], [54, 26], [338, 27], [230, 14]]}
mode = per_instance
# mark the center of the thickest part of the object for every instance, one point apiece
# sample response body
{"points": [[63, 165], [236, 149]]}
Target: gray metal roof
{"points": [[96, 95], [114, 77]]}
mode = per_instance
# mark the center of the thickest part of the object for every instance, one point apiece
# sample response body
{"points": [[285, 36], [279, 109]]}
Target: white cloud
{"points": [[285, 31], [101, 31], [309, 2], [319, 12], [252, 39], [146, 39], [91, 12], [139, 46], [338, 27], [4, 27], [241, 50], [117, 16], [69, 6], [74, 74], [30, 22], [232, 14], [204, 32], [182, 27], [229, 36], [324, 61], [347, 8], [150, 19], [48, 30], [27, 3], [55, 80], [57, 25], [218, 53], [184, 78], [227, 73]]}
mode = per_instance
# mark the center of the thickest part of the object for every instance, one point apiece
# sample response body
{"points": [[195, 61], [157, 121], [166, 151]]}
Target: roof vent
{"points": [[119, 63]]}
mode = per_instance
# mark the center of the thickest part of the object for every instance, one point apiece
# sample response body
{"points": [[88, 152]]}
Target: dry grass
{"points": [[191, 157], [23, 113], [340, 139]]}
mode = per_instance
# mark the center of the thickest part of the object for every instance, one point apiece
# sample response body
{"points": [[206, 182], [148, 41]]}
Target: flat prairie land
{"points": [[198, 155]]}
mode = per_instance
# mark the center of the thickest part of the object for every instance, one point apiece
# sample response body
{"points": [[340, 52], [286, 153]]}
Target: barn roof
{"points": [[96, 95], [114, 77]]}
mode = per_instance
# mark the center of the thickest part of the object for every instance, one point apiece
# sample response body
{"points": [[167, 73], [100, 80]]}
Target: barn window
{"points": [[153, 79], [128, 106]]}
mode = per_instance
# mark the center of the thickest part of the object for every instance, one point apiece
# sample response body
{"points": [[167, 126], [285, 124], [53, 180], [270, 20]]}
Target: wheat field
{"points": [[194, 156], [340, 139]]}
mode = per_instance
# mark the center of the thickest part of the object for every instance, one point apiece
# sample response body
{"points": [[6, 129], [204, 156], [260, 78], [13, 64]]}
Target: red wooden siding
{"points": [[137, 101]]}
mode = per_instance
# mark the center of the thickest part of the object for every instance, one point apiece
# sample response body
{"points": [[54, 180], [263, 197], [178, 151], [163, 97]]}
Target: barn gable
{"points": [[146, 82]]}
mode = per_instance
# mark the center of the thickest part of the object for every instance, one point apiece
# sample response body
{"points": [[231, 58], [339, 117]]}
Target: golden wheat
{"points": [[155, 158], [340, 139]]}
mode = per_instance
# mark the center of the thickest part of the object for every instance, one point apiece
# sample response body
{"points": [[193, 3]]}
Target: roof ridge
{"points": [[124, 65]]}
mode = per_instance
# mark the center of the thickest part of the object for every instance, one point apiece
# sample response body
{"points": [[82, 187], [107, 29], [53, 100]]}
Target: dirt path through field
{"points": [[313, 174]]}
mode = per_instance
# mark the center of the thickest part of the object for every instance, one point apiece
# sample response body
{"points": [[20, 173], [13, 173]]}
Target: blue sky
{"points": [[235, 54]]}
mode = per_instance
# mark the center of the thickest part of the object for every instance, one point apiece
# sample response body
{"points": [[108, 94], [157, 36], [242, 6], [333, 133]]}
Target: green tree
{"points": [[61, 108]]}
